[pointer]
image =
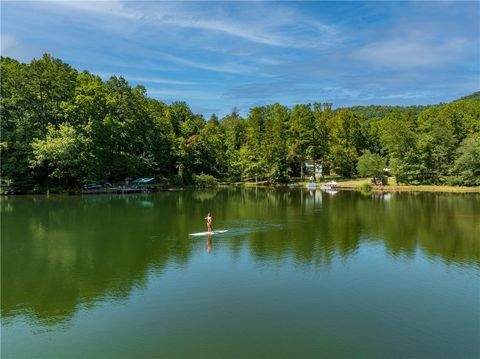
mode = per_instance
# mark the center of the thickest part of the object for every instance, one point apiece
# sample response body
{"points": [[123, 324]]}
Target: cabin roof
{"points": [[144, 180]]}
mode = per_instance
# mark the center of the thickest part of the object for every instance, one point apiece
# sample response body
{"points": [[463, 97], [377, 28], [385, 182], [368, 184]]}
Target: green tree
{"points": [[234, 129], [123, 136], [123, 133], [161, 138], [178, 113], [346, 141], [214, 156], [372, 165], [18, 127], [186, 127], [63, 154], [275, 143], [301, 136], [251, 156], [51, 86], [90, 101], [436, 143], [399, 141], [467, 164], [321, 142]]}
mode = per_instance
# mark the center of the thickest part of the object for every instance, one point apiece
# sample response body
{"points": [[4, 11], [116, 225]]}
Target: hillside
{"points": [[473, 96], [379, 111]]}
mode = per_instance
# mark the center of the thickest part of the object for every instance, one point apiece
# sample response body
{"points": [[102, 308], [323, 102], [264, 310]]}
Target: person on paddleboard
{"points": [[209, 222]]}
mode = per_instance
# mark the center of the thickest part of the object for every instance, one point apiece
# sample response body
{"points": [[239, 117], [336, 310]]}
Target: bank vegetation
{"points": [[61, 128]]}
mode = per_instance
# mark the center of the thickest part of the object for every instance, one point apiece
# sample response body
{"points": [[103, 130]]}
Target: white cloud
{"points": [[151, 80], [182, 95], [410, 52], [110, 8], [403, 95], [268, 25], [232, 68], [236, 29], [269, 61], [274, 26], [7, 42], [156, 80], [12, 47]]}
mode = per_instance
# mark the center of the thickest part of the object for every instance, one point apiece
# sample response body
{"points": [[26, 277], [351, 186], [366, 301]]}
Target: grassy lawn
{"points": [[394, 187], [354, 184]]}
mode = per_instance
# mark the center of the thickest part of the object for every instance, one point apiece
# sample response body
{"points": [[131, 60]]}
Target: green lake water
{"points": [[299, 274]]}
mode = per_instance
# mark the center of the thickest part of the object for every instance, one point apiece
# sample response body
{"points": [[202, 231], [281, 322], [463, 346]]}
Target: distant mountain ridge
{"points": [[372, 111], [472, 96]]}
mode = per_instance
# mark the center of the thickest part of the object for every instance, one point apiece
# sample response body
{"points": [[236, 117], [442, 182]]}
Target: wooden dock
{"points": [[121, 190]]}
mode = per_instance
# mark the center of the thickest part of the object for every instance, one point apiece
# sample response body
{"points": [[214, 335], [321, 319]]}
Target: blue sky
{"points": [[221, 55]]}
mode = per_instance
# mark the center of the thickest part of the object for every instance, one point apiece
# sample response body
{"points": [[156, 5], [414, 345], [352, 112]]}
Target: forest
{"points": [[61, 128]]}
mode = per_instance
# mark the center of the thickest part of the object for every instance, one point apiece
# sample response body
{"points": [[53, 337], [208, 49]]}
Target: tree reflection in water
{"points": [[60, 253]]}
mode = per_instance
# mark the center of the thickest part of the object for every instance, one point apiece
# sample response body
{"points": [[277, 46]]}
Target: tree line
{"points": [[64, 128]]}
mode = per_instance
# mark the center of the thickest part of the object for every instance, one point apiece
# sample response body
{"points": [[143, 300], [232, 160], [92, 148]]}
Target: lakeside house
{"points": [[145, 181]]}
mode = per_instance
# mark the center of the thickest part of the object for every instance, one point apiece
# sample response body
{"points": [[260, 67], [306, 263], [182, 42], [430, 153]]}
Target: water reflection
{"points": [[62, 252], [209, 244]]}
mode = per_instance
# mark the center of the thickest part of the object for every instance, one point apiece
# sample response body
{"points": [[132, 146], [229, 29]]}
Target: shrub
{"points": [[203, 180], [366, 187], [176, 180]]}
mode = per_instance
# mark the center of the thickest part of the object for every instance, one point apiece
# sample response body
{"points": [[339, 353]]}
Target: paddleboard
{"points": [[207, 233]]}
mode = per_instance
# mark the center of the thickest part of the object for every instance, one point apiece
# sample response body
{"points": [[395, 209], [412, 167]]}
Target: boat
{"points": [[329, 185]]}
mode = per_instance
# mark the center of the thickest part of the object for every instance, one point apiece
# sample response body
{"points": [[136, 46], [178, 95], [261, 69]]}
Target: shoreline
{"points": [[427, 188], [346, 185], [355, 185]]}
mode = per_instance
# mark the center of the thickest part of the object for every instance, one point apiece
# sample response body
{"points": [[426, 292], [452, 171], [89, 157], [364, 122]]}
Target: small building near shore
{"points": [[144, 181], [313, 168]]}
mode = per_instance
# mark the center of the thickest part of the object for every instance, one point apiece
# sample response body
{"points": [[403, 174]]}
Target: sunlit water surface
{"points": [[299, 274]]}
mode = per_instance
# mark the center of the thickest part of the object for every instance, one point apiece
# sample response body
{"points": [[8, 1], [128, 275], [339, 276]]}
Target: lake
{"points": [[299, 274]]}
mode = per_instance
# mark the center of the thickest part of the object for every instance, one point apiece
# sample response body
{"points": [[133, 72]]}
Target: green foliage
{"points": [[251, 162], [472, 96], [399, 141], [64, 154], [203, 180], [371, 165], [61, 128], [467, 164], [436, 143], [275, 144], [176, 180], [321, 142], [301, 138], [343, 160], [422, 148], [233, 127], [380, 111], [346, 141], [366, 188]]}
